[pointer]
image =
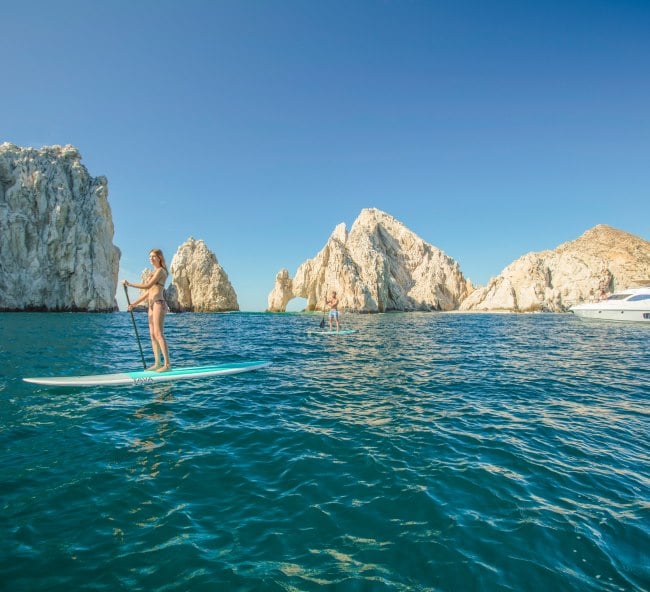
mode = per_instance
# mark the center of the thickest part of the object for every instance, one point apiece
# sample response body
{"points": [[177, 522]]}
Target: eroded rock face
{"points": [[198, 282], [56, 233], [603, 259], [379, 266], [282, 292]]}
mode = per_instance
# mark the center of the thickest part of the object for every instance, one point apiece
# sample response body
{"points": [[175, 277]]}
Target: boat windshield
{"points": [[638, 297], [618, 296]]}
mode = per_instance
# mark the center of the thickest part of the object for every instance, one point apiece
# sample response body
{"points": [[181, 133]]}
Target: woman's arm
{"points": [[150, 282], [138, 301]]}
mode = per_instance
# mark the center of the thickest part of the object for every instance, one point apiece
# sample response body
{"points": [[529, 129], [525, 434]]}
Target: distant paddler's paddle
{"points": [[322, 321], [135, 327]]}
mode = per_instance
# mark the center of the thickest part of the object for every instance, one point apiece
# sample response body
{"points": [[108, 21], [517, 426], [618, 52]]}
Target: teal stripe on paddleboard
{"points": [[325, 332], [200, 370]]}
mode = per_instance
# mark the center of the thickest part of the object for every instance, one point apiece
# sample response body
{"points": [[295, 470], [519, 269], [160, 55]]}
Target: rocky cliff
{"points": [[379, 266], [198, 282], [603, 259], [56, 233]]}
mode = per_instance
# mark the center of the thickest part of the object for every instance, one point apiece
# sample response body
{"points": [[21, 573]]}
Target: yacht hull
{"points": [[604, 314]]}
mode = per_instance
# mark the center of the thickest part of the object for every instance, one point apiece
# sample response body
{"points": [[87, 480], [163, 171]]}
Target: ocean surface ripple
{"points": [[423, 452]]}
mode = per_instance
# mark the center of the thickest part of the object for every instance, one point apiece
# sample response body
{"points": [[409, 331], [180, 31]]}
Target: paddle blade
{"points": [[322, 323]]}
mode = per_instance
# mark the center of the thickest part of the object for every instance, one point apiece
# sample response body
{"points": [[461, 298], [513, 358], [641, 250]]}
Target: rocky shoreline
{"points": [[57, 255]]}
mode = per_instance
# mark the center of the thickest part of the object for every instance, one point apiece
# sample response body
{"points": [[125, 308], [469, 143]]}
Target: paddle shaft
{"points": [[322, 321], [135, 327]]}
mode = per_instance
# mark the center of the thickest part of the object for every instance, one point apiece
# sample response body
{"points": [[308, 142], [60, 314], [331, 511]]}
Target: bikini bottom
{"points": [[164, 303]]}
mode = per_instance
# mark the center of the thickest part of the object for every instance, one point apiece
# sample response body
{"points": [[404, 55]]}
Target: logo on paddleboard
{"points": [[143, 380]]}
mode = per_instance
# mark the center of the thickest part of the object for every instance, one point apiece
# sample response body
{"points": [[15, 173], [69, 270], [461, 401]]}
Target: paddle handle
{"points": [[135, 327]]}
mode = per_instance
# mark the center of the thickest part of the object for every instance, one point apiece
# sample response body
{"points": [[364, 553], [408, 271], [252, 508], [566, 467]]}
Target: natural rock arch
{"points": [[379, 266]]}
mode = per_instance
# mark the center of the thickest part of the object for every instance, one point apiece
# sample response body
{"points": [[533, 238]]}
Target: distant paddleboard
{"points": [[328, 332], [149, 376]]}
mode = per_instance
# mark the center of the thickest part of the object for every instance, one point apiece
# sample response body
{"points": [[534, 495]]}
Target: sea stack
{"points": [[198, 282], [56, 233]]}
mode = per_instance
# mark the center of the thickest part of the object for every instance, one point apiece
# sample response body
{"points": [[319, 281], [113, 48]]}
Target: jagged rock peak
{"points": [[198, 282], [379, 266], [56, 233], [601, 260], [603, 239]]}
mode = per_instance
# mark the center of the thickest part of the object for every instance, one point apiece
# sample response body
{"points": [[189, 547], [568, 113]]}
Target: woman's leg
{"points": [[159, 312], [154, 341]]}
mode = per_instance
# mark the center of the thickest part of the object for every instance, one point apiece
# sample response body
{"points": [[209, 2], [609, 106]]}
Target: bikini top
{"points": [[162, 281]]}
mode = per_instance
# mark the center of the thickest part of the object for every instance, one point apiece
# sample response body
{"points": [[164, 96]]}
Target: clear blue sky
{"points": [[489, 128]]}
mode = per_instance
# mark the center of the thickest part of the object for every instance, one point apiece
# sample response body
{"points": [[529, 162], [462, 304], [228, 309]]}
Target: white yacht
{"points": [[627, 305]]}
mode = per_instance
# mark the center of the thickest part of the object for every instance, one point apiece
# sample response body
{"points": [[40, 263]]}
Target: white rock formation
{"points": [[602, 259], [56, 233], [282, 292], [199, 283], [379, 266]]}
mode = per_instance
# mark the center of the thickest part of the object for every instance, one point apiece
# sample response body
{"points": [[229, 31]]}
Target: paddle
{"points": [[322, 321], [135, 327]]}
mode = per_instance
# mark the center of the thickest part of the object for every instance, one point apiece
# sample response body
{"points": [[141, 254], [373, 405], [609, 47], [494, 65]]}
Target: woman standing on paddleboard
{"points": [[157, 308]]}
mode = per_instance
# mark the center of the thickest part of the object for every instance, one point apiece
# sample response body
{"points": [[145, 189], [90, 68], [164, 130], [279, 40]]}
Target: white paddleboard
{"points": [[332, 332], [150, 376]]}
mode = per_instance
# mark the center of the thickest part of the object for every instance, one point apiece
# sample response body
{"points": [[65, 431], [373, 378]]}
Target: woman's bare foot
{"points": [[153, 368], [164, 368]]}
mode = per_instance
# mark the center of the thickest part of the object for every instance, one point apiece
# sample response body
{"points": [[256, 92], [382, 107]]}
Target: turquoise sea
{"points": [[431, 451]]}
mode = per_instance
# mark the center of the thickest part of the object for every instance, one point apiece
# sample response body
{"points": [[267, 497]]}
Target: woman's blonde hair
{"points": [[158, 253]]}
